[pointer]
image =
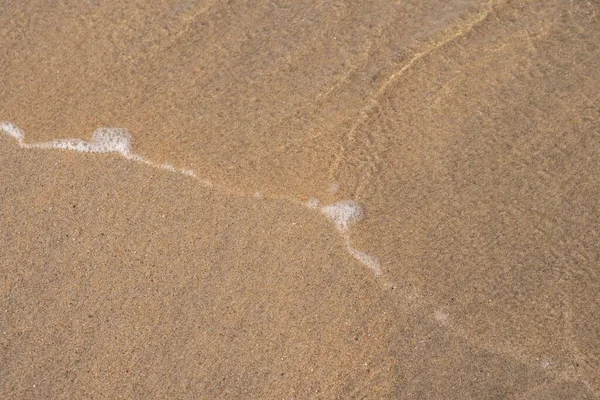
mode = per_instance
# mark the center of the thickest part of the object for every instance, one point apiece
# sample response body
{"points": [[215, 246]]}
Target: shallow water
{"points": [[380, 200]]}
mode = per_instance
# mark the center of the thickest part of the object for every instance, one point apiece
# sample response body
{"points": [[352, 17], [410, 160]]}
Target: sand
{"points": [[367, 200]]}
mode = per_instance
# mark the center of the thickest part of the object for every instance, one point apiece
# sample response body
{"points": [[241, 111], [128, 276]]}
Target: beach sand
{"points": [[368, 200]]}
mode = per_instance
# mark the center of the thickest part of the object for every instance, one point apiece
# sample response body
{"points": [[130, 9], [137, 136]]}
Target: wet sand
{"points": [[205, 261]]}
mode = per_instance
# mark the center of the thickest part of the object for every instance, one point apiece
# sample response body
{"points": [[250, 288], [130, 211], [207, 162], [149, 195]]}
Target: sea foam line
{"points": [[343, 214], [118, 140]]}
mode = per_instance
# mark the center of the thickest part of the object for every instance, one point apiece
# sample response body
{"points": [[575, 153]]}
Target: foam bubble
{"points": [[12, 130], [112, 140], [168, 167], [313, 203], [104, 140], [188, 172], [366, 259], [343, 213]]}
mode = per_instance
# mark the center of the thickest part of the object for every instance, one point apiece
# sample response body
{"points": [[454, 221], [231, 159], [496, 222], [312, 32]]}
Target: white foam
{"points": [[168, 167], [104, 140], [12, 130], [112, 140], [313, 203], [343, 213], [188, 172], [364, 258], [118, 140], [334, 187]]}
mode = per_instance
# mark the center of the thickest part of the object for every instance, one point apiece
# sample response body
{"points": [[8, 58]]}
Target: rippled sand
{"points": [[300, 200]]}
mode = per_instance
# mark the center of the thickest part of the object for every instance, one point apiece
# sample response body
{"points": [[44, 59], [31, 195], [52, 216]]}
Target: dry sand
{"points": [[467, 131]]}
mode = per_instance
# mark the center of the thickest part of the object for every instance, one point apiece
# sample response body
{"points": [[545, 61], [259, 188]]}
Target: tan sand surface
{"points": [[464, 135]]}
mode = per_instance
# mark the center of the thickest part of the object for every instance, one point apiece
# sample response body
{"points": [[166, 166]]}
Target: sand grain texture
{"points": [[205, 261]]}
